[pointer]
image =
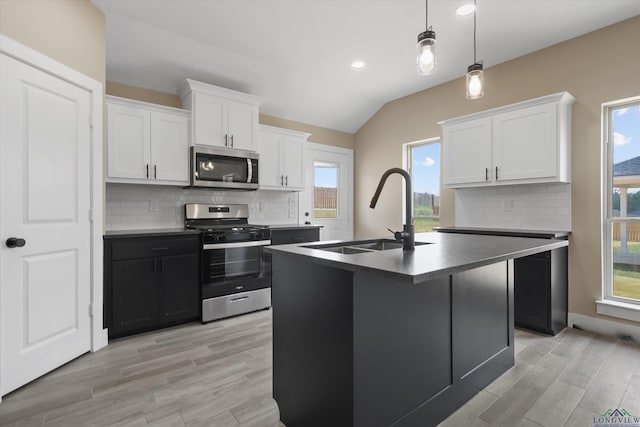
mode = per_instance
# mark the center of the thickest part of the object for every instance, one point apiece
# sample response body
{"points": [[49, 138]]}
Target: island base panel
{"points": [[312, 342], [402, 346], [365, 350]]}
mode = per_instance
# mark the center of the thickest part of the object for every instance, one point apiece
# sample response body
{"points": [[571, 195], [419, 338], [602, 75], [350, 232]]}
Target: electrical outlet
{"points": [[153, 206], [292, 213]]}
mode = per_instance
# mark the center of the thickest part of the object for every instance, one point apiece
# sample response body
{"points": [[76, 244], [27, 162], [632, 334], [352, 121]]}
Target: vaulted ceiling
{"points": [[296, 54]]}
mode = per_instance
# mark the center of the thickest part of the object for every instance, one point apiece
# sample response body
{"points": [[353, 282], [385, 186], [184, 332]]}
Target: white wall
{"points": [[531, 207], [131, 206]]}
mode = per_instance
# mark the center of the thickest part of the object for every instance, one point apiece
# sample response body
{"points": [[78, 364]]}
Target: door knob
{"points": [[14, 242]]}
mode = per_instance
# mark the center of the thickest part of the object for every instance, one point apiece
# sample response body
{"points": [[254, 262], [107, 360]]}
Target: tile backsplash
{"points": [[530, 206], [140, 206]]}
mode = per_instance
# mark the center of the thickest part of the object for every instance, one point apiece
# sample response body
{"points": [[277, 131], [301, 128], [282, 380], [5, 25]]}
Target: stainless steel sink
{"points": [[361, 246], [347, 250], [381, 245]]}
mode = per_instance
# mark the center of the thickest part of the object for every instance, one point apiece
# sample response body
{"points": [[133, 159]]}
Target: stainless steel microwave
{"points": [[224, 168]]}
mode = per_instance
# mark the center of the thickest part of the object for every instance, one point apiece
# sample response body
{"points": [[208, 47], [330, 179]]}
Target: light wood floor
{"points": [[219, 375]]}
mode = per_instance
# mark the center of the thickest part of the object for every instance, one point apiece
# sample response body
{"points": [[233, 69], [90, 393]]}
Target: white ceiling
{"points": [[296, 54]]}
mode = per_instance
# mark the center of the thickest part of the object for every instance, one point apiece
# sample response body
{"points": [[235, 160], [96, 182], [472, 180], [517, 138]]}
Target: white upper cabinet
{"points": [[282, 155], [146, 143], [170, 147], [221, 117], [468, 152], [527, 142]]}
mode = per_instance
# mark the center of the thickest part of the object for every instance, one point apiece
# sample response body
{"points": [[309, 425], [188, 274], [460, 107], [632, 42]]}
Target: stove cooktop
{"points": [[212, 228]]}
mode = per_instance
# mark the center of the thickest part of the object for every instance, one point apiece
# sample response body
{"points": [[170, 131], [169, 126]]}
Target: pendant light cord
{"points": [[475, 12], [426, 14]]}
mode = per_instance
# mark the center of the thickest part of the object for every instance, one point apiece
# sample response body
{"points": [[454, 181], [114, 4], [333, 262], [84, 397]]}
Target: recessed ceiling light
{"points": [[465, 10], [358, 65]]}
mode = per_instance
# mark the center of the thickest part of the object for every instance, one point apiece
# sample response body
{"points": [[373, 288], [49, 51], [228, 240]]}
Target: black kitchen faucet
{"points": [[407, 234]]}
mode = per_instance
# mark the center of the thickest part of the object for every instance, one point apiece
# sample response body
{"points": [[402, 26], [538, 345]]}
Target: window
{"points": [[423, 163], [621, 230], [325, 190]]}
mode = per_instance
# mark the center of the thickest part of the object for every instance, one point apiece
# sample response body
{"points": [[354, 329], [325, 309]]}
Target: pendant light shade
{"points": [[475, 81], [426, 58], [426, 53], [475, 74]]}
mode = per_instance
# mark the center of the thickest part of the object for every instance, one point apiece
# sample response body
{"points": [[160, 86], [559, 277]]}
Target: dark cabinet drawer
{"points": [[300, 235], [144, 247]]}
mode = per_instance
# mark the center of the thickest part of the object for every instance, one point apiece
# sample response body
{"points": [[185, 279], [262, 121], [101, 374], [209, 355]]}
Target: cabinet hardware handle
{"points": [[239, 299], [281, 179], [496, 173], [486, 174], [155, 171], [226, 140], [160, 249], [232, 141], [286, 180], [160, 265], [147, 170]]}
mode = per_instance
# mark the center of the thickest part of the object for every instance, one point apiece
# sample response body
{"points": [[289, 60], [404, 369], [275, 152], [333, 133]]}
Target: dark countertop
{"points": [[294, 226], [447, 253], [153, 232], [156, 232], [541, 234]]}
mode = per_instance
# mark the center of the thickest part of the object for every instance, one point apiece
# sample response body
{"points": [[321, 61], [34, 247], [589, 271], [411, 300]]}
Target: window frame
{"points": [[313, 197], [609, 304], [407, 164]]}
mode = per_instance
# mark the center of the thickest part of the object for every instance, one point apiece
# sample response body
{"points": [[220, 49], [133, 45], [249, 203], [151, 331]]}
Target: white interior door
{"points": [[328, 196], [45, 196]]}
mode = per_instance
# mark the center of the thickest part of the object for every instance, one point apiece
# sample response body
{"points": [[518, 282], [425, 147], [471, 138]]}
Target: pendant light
{"points": [[426, 58], [475, 74]]}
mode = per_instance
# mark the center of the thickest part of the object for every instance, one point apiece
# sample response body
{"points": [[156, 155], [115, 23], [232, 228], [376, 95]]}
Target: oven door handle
{"points": [[236, 245]]}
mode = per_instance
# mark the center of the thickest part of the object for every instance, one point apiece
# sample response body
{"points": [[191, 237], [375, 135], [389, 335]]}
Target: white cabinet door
{"points": [[221, 117], [525, 143], [269, 162], [243, 123], [467, 152], [210, 120], [147, 143], [282, 157], [170, 147], [293, 162], [128, 139]]}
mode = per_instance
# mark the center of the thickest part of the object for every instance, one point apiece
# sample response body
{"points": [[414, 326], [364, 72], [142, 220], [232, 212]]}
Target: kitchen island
{"points": [[391, 337]]}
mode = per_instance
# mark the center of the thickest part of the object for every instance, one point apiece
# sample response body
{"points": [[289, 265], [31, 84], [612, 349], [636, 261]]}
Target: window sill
{"points": [[621, 310]]}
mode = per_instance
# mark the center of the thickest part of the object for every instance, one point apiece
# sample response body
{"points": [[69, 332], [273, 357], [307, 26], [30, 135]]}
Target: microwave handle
{"points": [[250, 173]]}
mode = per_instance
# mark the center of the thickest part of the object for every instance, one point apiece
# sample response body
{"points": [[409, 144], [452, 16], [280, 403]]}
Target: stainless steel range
{"points": [[236, 272]]}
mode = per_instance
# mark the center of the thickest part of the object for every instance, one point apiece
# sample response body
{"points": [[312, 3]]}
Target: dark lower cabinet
{"points": [[150, 282], [179, 285], [541, 291], [541, 281], [134, 295]]}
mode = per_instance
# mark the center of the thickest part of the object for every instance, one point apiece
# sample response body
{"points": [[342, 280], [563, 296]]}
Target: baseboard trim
{"points": [[606, 327]]}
